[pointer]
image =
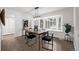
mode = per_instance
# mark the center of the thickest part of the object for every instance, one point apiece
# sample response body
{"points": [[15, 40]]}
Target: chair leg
{"points": [[52, 44], [26, 40], [48, 44], [42, 43], [36, 40], [25, 37]]}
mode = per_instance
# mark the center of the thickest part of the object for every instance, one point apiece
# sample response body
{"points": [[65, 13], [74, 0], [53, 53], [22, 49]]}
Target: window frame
{"points": [[57, 22]]}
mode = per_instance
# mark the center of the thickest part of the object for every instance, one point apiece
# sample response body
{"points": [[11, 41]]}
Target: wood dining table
{"points": [[39, 33]]}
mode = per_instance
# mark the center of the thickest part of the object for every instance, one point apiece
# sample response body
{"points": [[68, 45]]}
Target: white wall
{"points": [[14, 22], [66, 12], [0, 29], [9, 28], [76, 25], [0, 26], [0, 35]]}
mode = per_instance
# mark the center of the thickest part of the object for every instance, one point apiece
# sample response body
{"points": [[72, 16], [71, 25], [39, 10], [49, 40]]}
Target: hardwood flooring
{"points": [[10, 43]]}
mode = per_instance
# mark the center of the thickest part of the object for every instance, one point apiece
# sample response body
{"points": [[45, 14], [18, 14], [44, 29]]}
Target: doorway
{"points": [[9, 29]]}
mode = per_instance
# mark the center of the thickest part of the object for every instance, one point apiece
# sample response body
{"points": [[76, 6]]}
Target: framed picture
{"points": [[25, 24]]}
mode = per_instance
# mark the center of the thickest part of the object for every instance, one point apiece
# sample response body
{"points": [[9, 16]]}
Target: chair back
{"points": [[26, 33], [50, 33]]}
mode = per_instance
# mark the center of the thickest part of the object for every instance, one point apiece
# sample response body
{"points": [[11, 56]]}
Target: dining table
{"points": [[38, 33]]}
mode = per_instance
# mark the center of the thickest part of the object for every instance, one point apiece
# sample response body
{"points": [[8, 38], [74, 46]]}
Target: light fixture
{"points": [[36, 12], [35, 15]]}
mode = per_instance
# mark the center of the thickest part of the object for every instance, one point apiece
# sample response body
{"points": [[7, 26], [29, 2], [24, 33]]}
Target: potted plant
{"points": [[67, 29]]}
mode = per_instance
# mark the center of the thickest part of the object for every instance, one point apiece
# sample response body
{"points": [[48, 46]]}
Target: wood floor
{"points": [[10, 43]]}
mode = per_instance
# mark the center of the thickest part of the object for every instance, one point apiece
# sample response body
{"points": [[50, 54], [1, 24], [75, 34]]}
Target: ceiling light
{"points": [[36, 12]]}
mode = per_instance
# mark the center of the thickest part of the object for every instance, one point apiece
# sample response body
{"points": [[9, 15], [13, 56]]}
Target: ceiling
{"points": [[31, 11]]}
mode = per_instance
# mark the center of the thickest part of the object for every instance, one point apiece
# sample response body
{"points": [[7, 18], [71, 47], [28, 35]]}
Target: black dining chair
{"points": [[30, 38], [46, 39]]}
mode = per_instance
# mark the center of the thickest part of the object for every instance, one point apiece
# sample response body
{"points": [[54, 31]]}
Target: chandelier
{"points": [[35, 16], [36, 12]]}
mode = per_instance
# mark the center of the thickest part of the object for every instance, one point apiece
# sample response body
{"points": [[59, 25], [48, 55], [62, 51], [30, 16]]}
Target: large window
{"points": [[41, 23], [53, 23]]}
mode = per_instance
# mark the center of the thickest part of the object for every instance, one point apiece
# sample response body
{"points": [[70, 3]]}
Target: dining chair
{"points": [[30, 37], [46, 39]]}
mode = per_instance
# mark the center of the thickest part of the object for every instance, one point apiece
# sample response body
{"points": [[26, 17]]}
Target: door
{"points": [[9, 27]]}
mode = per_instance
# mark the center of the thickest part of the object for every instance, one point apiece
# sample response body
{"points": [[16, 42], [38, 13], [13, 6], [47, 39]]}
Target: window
{"points": [[46, 24], [59, 24], [53, 23], [41, 23]]}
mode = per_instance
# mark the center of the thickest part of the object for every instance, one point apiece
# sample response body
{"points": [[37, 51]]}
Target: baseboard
{"points": [[8, 34]]}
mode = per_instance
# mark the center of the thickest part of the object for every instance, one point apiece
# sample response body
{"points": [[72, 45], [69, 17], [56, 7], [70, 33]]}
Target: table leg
{"points": [[39, 41]]}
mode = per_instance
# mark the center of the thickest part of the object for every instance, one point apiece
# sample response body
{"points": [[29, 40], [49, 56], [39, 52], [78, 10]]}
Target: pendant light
{"points": [[36, 12], [36, 16]]}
